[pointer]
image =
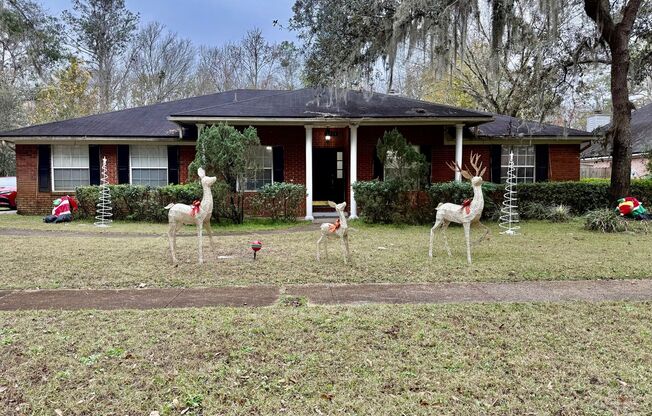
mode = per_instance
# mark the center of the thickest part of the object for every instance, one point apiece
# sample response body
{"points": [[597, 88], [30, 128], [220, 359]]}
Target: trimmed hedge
{"points": [[146, 203], [279, 200], [457, 192], [385, 201]]}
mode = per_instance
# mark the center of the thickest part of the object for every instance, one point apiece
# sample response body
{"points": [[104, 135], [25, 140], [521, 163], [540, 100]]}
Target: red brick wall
{"points": [[419, 135], [564, 159], [564, 162], [186, 156], [29, 200], [110, 151]]}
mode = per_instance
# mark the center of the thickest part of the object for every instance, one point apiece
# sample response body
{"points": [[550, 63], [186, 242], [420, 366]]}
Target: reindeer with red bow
{"points": [[199, 213], [468, 213]]}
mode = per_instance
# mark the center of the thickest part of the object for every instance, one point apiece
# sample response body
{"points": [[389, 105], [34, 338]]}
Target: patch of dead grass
{"points": [[566, 358]]}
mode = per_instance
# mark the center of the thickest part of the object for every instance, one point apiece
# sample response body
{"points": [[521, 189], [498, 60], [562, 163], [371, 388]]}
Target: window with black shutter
{"points": [[278, 164], [94, 164], [173, 164], [123, 164], [44, 160]]}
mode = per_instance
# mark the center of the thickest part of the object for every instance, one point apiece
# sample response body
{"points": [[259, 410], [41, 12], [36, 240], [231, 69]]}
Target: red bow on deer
{"points": [[195, 207]]}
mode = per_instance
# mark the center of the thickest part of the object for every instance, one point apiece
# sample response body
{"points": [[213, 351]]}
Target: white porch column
{"points": [[458, 150], [353, 164], [309, 216]]}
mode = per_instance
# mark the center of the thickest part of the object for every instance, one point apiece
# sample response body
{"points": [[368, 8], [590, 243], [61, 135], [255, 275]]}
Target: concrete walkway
{"points": [[328, 294]]}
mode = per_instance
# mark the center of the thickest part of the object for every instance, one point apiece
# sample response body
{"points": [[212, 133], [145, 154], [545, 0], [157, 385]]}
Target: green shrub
{"points": [[378, 200], [604, 220], [559, 213], [580, 197], [533, 211], [146, 203], [280, 200]]}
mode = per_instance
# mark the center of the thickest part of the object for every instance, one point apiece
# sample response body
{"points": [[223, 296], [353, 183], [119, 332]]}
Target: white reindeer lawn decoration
{"points": [[467, 214], [197, 213], [339, 229]]}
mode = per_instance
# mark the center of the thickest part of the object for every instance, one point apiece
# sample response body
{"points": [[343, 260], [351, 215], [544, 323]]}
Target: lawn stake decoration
{"points": [[198, 214], [467, 214], [339, 229], [509, 214], [256, 246], [104, 206]]}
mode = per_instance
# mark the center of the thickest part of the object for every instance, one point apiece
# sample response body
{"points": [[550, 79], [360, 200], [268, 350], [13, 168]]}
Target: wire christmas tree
{"points": [[104, 206], [509, 213]]}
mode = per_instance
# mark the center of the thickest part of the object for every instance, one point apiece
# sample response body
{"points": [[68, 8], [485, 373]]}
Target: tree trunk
{"points": [[620, 133]]}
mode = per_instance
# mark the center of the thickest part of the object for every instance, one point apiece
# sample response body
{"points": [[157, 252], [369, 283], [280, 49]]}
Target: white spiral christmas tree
{"points": [[509, 213], [104, 207]]}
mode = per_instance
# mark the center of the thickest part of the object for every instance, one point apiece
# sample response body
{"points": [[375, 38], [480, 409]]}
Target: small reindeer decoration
{"points": [[198, 213], [468, 213], [338, 229]]}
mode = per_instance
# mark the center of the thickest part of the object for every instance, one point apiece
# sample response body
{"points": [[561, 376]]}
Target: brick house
{"points": [[325, 139]]}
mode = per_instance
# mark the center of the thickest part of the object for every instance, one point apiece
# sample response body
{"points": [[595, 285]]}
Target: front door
{"points": [[328, 179]]}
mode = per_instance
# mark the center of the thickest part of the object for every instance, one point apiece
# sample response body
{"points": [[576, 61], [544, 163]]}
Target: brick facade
{"points": [[564, 163]]}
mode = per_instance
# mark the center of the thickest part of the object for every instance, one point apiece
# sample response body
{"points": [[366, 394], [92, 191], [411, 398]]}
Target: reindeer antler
{"points": [[474, 163], [453, 166]]}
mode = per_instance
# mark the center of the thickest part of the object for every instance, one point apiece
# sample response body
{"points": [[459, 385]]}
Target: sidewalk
{"points": [[328, 294]]}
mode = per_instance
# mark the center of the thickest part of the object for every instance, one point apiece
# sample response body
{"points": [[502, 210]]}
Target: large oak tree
{"points": [[346, 40]]}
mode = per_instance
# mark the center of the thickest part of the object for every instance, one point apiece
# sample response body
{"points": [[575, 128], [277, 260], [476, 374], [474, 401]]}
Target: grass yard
{"points": [[27, 222], [544, 251], [562, 359]]}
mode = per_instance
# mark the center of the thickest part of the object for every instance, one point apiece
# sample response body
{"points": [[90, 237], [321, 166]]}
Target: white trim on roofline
{"points": [[332, 122], [639, 155], [524, 140], [95, 140]]}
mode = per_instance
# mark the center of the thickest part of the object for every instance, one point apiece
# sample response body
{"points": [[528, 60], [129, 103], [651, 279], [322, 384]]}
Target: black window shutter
{"points": [[278, 164], [173, 164], [496, 155], [94, 163], [123, 163], [426, 150], [541, 160], [379, 171], [44, 168]]}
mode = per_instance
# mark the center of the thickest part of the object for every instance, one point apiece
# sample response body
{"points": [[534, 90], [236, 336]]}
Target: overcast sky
{"points": [[208, 22]]}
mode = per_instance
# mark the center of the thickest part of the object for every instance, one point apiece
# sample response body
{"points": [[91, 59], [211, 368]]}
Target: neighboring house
{"points": [[596, 159], [325, 139]]}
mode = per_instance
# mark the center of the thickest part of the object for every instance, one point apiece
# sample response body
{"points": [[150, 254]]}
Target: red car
{"points": [[8, 192]]}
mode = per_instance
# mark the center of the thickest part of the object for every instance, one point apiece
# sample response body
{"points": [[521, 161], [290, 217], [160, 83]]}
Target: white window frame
{"points": [[131, 165], [52, 168], [512, 147], [264, 168]]}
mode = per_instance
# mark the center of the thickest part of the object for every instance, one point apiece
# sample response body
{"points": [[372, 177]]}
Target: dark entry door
{"points": [[328, 178]]}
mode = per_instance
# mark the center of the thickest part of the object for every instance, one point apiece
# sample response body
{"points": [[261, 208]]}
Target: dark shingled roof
{"points": [[147, 121], [331, 103], [512, 127], [151, 120], [641, 135]]}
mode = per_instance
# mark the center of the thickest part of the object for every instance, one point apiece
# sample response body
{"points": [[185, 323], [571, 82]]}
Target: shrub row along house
{"points": [[323, 138]]}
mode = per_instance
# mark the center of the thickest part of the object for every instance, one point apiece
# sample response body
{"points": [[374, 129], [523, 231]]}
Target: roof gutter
{"points": [[333, 122], [91, 139]]}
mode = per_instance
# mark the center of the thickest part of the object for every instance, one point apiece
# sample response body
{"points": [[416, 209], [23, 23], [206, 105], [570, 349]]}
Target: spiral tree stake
{"points": [[509, 213], [104, 206]]}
